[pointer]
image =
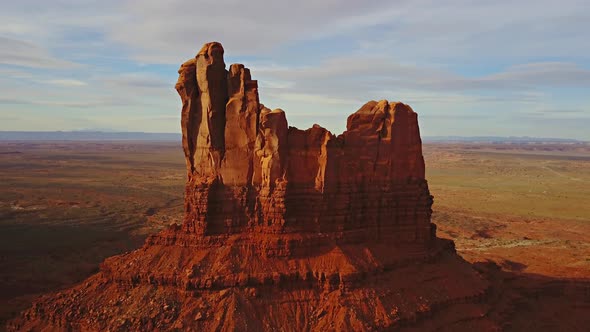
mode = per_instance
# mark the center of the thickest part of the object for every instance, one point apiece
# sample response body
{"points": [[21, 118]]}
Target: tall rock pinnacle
{"points": [[249, 172]]}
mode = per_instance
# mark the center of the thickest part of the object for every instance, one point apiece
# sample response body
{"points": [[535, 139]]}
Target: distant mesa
{"points": [[86, 135], [498, 139], [284, 229]]}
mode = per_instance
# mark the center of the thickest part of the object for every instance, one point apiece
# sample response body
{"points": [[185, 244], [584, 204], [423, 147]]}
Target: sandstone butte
{"points": [[287, 230]]}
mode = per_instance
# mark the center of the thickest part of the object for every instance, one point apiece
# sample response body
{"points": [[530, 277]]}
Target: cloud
{"points": [[560, 111], [16, 74], [21, 53], [551, 74], [13, 101], [557, 113], [166, 32], [139, 80], [10, 118], [153, 31], [72, 103], [457, 116], [163, 117], [463, 60], [311, 98], [468, 32], [336, 79], [66, 82], [438, 94]]}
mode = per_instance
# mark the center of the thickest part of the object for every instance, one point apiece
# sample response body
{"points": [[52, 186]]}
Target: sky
{"points": [[468, 68]]}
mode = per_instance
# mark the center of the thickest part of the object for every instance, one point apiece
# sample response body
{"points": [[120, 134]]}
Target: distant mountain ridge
{"points": [[98, 135], [498, 139], [86, 136]]}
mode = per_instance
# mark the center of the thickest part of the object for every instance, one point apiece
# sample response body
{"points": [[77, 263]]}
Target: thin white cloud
{"points": [[66, 82], [66, 104], [314, 98], [16, 74], [346, 76], [557, 74], [137, 80], [21, 53]]}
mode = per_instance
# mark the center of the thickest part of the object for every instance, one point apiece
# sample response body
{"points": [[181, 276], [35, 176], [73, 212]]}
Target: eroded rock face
{"points": [[285, 229], [202, 86], [251, 173]]}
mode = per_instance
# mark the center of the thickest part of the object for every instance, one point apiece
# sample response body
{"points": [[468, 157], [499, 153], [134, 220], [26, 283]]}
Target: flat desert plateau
{"points": [[66, 206]]}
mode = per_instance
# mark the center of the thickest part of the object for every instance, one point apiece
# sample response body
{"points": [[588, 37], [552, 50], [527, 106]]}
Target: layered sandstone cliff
{"points": [[248, 172], [285, 229]]}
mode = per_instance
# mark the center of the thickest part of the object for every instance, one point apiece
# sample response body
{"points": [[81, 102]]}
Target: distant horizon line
{"points": [[15, 135]]}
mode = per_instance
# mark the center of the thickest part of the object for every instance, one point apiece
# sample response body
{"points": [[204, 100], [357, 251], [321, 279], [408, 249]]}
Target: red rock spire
{"points": [[250, 172]]}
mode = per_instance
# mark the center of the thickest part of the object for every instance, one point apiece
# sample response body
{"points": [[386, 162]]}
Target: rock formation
{"points": [[249, 173], [284, 229]]}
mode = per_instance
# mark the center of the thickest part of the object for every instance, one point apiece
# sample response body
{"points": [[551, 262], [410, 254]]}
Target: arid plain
{"points": [[66, 206]]}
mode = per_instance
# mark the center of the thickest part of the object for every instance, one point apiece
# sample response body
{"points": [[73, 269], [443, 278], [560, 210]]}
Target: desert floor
{"points": [[65, 206]]}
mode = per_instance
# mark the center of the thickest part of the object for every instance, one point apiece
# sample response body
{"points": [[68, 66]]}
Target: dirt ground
{"points": [[65, 206], [525, 207]]}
